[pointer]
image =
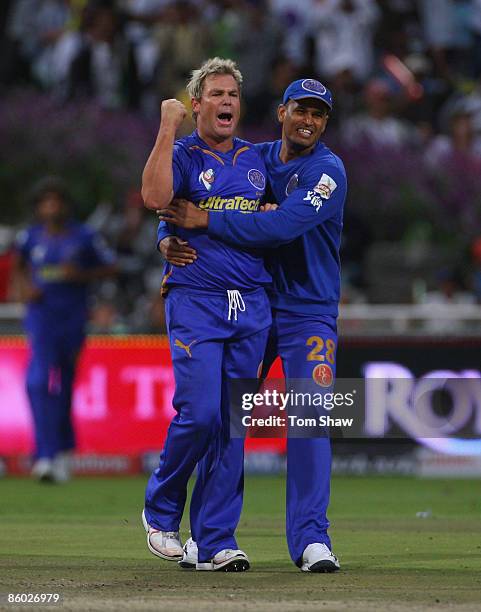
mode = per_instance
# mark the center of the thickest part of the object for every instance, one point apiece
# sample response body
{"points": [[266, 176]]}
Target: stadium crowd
{"points": [[405, 75]]}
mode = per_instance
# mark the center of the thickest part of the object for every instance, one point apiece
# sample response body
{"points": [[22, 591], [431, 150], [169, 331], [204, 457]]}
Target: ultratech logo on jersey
{"points": [[237, 203], [207, 177]]}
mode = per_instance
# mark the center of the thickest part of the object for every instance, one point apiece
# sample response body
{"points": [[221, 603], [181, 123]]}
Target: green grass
{"points": [[84, 540]]}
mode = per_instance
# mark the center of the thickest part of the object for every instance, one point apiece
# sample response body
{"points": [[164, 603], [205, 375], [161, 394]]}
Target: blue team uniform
{"points": [[218, 318], [55, 325], [306, 230]]}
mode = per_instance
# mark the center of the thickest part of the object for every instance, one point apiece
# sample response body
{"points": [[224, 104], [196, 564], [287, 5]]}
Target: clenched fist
{"points": [[173, 112]]}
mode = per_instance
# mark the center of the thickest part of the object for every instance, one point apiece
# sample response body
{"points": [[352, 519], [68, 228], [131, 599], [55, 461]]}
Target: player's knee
{"points": [[207, 423], [205, 419], [37, 381]]}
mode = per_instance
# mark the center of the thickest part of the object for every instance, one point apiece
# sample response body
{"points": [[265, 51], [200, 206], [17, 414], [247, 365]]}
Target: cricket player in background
{"points": [[218, 319], [309, 183], [56, 259]]}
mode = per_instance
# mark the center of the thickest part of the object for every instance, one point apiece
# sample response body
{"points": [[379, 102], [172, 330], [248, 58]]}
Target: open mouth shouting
{"points": [[225, 119]]}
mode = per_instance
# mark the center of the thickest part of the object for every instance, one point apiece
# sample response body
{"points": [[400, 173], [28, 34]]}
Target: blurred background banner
{"points": [[122, 398], [122, 406]]}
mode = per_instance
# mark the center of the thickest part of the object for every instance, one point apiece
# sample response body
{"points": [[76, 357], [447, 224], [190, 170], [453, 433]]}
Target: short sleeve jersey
{"points": [[46, 254], [217, 182]]}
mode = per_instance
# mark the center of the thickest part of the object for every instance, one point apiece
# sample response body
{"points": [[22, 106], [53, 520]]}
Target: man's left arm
{"points": [[319, 197]]}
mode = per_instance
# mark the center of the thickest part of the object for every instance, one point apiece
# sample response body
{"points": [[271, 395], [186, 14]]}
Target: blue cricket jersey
{"points": [[63, 303], [311, 192], [217, 182]]}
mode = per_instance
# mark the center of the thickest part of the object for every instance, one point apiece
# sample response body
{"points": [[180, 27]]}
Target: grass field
{"points": [[84, 541]]}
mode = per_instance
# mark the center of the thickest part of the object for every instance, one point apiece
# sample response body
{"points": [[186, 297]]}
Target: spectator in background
{"points": [[294, 19], [182, 39], [141, 18], [421, 108], [398, 30], [344, 31], [132, 232], [32, 29], [348, 93], [50, 21], [283, 72], [475, 28], [257, 44], [378, 125], [104, 66], [56, 260], [462, 57], [460, 141], [446, 28], [223, 20], [471, 104]]}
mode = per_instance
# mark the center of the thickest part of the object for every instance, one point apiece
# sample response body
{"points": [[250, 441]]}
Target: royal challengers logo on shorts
{"points": [[322, 375], [207, 178]]}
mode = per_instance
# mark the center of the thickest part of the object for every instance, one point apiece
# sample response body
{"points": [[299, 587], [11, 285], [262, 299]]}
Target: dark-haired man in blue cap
{"points": [[309, 183]]}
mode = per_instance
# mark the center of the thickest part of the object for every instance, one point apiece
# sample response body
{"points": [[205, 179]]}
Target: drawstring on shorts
{"points": [[235, 303]]}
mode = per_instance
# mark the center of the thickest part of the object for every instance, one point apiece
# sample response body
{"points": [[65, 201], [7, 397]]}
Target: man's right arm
{"points": [[175, 250], [21, 288], [157, 178]]}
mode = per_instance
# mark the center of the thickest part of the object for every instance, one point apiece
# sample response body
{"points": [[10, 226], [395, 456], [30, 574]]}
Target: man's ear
{"points": [[281, 112], [325, 124], [195, 105]]}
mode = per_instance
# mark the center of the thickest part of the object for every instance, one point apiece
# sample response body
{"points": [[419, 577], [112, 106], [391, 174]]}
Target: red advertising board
{"points": [[121, 403]]}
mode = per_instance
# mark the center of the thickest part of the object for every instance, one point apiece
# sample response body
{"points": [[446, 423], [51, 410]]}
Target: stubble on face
{"points": [[218, 110]]}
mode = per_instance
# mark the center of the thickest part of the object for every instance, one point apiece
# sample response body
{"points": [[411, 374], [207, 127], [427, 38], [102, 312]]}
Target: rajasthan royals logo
{"points": [[256, 179], [292, 184], [207, 178], [313, 86]]}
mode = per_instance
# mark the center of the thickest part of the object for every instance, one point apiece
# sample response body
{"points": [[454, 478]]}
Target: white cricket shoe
{"points": [[226, 561], [318, 558], [191, 555], [42, 470], [163, 544], [62, 467]]}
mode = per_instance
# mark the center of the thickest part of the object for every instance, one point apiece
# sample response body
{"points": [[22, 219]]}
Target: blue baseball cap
{"points": [[307, 88]]}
